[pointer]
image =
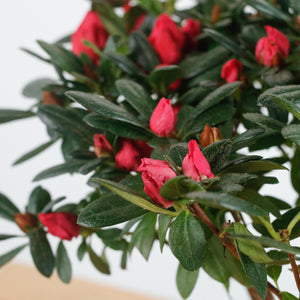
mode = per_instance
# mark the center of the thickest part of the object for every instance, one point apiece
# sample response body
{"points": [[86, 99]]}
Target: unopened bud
{"points": [[298, 22], [50, 98], [101, 145], [210, 135], [26, 221], [215, 14]]}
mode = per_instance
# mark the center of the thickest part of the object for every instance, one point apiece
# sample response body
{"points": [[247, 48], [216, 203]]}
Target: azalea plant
{"points": [[165, 110]]}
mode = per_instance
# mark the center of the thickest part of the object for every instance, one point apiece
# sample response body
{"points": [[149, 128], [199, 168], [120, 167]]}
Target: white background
{"points": [[21, 23]]}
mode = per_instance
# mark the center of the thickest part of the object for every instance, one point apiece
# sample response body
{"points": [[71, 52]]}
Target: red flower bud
{"points": [[273, 49], [232, 70], [26, 221], [210, 135], [195, 165], [154, 174], [191, 30], [163, 119], [91, 29], [101, 145], [130, 154], [61, 224], [167, 40]]}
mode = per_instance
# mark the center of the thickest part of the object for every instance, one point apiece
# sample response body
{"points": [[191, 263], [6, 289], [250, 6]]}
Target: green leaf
{"points": [[38, 199], [292, 132], [257, 274], [99, 262], [178, 152], [226, 201], [187, 241], [267, 242], [62, 57], [91, 165], [274, 272], [7, 208], [118, 127], [67, 167], [176, 188], [66, 121], [153, 6], [246, 139], [143, 51], [34, 89], [5, 258], [131, 196], [251, 248], [162, 77], [198, 64], [288, 296], [163, 224], [186, 281], [264, 121], [144, 235], [104, 107], [33, 152], [137, 97], [108, 210], [82, 249], [63, 264], [7, 115], [41, 252], [288, 105], [268, 9], [124, 63], [7, 236], [295, 170], [226, 42]]}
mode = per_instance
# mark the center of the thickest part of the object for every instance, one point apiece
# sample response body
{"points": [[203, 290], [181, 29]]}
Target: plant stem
{"points": [[292, 224], [295, 270], [198, 211], [270, 229]]}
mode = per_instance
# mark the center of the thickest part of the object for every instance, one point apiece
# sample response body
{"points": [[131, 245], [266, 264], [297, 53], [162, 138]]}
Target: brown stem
{"points": [[295, 270], [253, 294], [197, 210]]}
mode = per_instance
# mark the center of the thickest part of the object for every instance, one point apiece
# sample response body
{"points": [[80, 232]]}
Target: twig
{"points": [[295, 270]]}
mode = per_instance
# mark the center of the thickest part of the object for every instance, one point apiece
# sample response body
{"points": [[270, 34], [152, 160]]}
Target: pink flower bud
{"points": [[232, 70], [101, 145], [130, 154], [154, 174], [195, 165], [163, 119], [167, 40], [91, 29], [61, 224], [273, 49]]}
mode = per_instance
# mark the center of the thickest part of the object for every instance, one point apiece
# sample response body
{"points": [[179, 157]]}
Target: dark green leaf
{"points": [[264, 121], [257, 274], [82, 249], [288, 296], [99, 262], [295, 170], [292, 132], [7, 115], [288, 105], [187, 241], [197, 64], [108, 210], [144, 235], [163, 225], [246, 139], [91, 165], [34, 89], [7, 236], [153, 6], [41, 252], [68, 167], [143, 51], [63, 264], [62, 57], [274, 272], [5, 258], [226, 201], [38, 199], [137, 97], [178, 152], [7, 208], [33, 152], [65, 121], [186, 281]]}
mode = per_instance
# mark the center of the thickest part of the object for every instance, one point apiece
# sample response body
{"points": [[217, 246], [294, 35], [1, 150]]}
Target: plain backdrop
{"points": [[21, 24]]}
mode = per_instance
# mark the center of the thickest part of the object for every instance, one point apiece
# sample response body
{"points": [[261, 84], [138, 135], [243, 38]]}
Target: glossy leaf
{"points": [[5, 258], [99, 262], [38, 199], [63, 264], [144, 235], [295, 170], [7, 208], [186, 281], [41, 252], [264, 121], [82, 249], [187, 241], [288, 296], [292, 132], [226, 201], [163, 224]]}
